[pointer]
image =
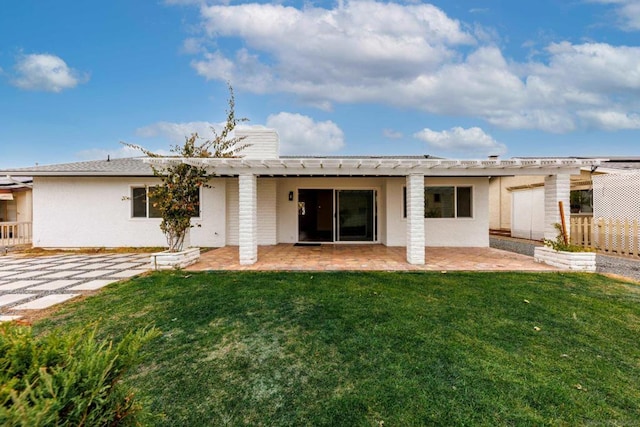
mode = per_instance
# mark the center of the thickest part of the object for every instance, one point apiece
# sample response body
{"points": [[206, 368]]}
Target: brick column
{"points": [[415, 219], [247, 219], [556, 188]]}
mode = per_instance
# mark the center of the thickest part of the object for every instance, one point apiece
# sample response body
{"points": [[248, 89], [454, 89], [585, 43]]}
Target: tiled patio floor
{"points": [[367, 257]]}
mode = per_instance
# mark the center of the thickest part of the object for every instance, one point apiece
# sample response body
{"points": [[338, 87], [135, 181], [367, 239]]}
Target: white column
{"points": [[556, 189], [247, 219], [415, 219]]}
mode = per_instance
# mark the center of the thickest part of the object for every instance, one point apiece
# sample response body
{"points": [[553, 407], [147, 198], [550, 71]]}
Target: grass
{"points": [[367, 349]]}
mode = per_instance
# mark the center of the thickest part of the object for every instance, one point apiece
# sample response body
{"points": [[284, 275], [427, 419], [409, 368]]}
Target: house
{"points": [[517, 202], [265, 199], [15, 210]]}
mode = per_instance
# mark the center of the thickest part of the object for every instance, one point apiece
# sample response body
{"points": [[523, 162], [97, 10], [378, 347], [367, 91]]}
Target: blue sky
{"points": [[461, 79]]}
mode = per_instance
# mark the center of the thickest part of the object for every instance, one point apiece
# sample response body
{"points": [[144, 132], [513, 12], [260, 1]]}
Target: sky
{"points": [[451, 78]]}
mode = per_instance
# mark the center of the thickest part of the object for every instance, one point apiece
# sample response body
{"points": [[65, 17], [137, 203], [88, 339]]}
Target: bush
{"points": [[560, 245], [67, 379]]}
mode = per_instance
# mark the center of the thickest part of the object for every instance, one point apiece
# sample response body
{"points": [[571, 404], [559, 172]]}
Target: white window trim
{"points": [[147, 217], [455, 202]]}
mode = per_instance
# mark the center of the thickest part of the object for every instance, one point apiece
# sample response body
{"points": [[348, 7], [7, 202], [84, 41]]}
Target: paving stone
{"points": [[69, 256], [24, 278], [8, 273], [127, 265], [96, 266], [26, 275], [19, 284], [13, 261], [9, 318], [61, 274], [67, 266], [92, 285], [45, 302], [43, 260], [101, 259], [92, 274], [54, 285], [31, 267], [13, 298], [128, 273]]}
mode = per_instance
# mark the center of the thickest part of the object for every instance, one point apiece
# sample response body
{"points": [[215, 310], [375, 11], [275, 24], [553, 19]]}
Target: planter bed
{"points": [[575, 261], [171, 260]]}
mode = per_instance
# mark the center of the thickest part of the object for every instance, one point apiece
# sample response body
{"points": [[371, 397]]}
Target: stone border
{"points": [[574, 261]]}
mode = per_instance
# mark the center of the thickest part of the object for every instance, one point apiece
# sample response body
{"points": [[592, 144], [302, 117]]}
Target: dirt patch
{"points": [[37, 252]]}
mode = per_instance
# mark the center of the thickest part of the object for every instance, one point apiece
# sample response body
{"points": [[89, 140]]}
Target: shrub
{"points": [[176, 198], [559, 245], [67, 379]]}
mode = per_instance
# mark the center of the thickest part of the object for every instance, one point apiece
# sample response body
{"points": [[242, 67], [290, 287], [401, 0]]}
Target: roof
{"points": [[320, 166], [15, 182], [623, 164], [132, 166], [614, 162]]}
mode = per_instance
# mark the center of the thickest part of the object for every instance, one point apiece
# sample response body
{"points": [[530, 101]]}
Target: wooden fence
{"points": [[15, 233], [613, 236]]}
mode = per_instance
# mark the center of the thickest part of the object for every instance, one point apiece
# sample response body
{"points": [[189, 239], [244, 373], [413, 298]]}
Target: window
{"points": [[445, 202], [581, 201], [143, 205]]}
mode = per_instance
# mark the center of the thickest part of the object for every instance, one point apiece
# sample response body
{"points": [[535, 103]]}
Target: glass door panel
{"points": [[356, 215], [315, 215]]}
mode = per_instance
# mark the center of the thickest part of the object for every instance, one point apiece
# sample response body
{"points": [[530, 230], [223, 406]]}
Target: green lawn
{"points": [[379, 348]]}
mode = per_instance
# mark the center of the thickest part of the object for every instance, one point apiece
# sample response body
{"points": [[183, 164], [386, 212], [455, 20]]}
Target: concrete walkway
{"points": [[36, 283]]}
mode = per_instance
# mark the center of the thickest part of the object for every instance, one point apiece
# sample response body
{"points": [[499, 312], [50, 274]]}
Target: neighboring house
{"points": [[517, 203], [15, 210], [266, 199]]}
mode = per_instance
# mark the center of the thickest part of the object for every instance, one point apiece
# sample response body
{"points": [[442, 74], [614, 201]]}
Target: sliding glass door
{"points": [[356, 215], [336, 215]]}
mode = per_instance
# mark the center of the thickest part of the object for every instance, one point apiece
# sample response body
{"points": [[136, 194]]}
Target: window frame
{"points": [[455, 201], [148, 205]]}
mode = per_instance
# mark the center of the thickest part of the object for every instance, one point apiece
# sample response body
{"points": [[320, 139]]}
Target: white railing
{"points": [[15, 233]]}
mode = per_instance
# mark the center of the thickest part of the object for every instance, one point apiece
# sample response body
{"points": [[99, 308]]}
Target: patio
{"points": [[367, 257]]}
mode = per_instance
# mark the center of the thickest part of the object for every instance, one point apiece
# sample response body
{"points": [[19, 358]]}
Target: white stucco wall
{"points": [[71, 212], [287, 215], [466, 232], [96, 212]]}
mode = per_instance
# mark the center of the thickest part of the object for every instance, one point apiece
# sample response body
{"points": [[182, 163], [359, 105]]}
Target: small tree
{"points": [[177, 197]]}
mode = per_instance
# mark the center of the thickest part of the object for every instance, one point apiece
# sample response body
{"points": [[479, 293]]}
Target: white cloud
{"points": [[628, 12], [302, 135], [46, 72], [304, 50], [391, 134], [192, 46], [473, 140], [177, 132], [414, 56], [612, 120]]}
